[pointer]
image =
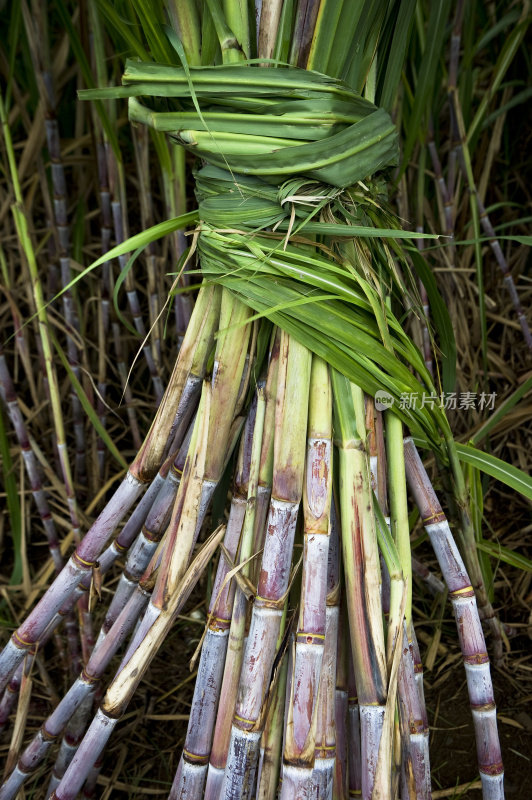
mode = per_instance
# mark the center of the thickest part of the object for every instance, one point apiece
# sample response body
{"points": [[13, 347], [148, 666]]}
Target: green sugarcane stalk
{"points": [[416, 759], [362, 573]]}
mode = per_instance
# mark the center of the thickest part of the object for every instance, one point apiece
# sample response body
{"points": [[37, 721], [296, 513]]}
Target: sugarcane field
{"points": [[265, 399]]}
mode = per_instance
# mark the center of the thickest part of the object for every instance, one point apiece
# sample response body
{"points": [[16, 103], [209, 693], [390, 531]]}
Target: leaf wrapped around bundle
{"points": [[240, 119]]}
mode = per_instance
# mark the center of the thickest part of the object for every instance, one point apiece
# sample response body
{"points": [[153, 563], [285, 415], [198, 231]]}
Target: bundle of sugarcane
{"points": [[295, 329]]}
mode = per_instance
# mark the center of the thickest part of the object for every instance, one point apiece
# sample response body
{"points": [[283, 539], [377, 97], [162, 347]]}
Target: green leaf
{"points": [[426, 83], [503, 409], [396, 55], [506, 473], [138, 241], [498, 551]]}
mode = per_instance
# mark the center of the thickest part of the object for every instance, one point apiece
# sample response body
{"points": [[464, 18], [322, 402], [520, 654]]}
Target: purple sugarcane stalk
{"points": [[78, 566], [192, 770], [289, 444], [471, 637], [37, 42], [119, 212], [341, 709], [233, 662], [152, 525], [299, 748], [415, 771], [126, 680], [433, 583], [78, 693], [325, 739], [7, 390]]}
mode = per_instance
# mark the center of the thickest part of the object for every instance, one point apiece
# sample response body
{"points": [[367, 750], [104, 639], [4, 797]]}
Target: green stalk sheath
{"points": [[416, 761], [188, 371], [266, 456], [398, 503], [362, 575], [310, 639], [289, 459], [229, 362]]}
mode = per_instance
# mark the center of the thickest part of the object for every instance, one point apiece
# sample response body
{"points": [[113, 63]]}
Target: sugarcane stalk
{"points": [[228, 369], [269, 22], [271, 745], [11, 693], [103, 159], [432, 582], [73, 735], [215, 433], [354, 755], [126, 388], [251, 543], [104, 306], [416, 762], [152, 528], [303, 31], [289, 444], [121, 232], [310, 639], [341, 706], [115, 550], [192, 770], [185, 517], [127, 680], [471, 637], [141, 149], [146, 508], [323, 774], [362, 574], [12, 656], [418, 674], [7, 390], [264, 489], [78, 693]]}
